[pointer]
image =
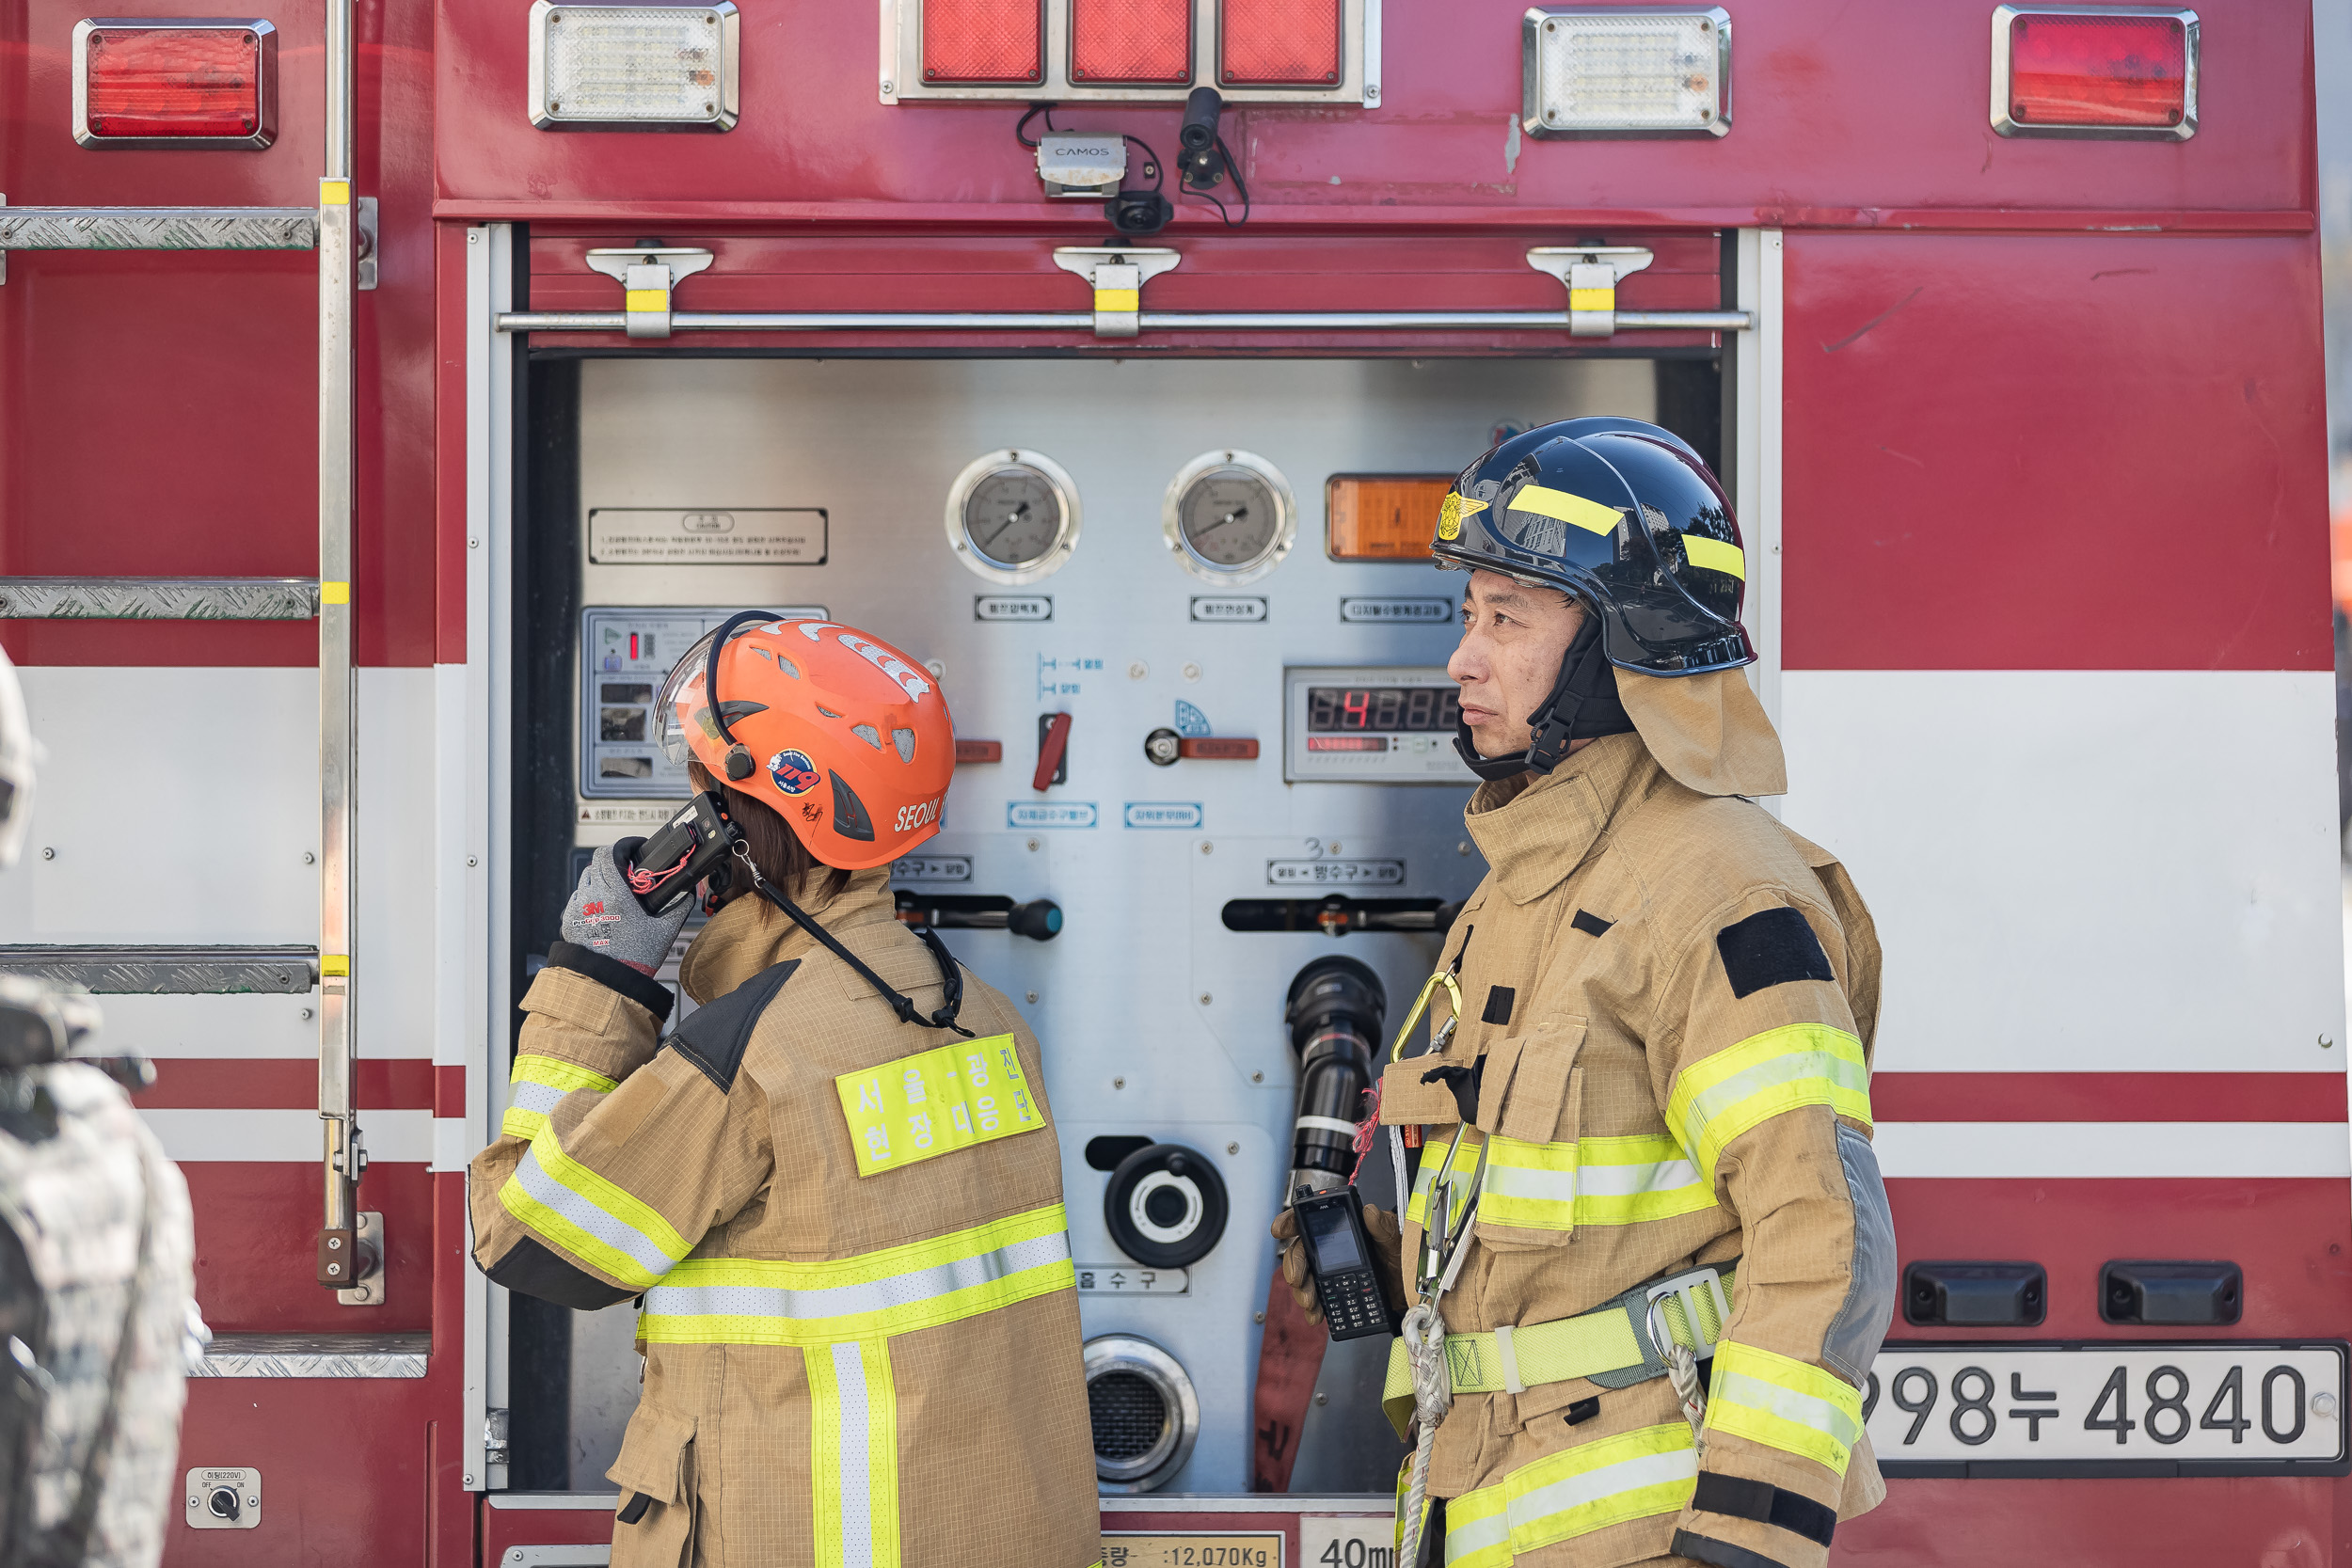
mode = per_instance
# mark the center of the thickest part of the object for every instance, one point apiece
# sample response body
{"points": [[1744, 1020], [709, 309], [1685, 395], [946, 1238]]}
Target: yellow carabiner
{"points": [[1420, 1006]]}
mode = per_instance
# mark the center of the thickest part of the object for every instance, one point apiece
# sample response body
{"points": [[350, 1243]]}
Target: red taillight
{"points": [[1279, 43], [1130, 40], [2088, 71], [174, 82], [983, 40]]}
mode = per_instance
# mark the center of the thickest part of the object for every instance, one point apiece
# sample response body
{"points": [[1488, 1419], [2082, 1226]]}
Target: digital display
{"points": [[1383, 709], [1332, 1237]]}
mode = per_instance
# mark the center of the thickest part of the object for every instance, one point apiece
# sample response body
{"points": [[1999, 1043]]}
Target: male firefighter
{"points": [[97, 1270], [835, 1187], [1647, 1250]]}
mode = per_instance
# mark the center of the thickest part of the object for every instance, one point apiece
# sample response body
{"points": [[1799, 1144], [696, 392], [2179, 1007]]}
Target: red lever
{"points": [[1220, 747], [1050, 750]]}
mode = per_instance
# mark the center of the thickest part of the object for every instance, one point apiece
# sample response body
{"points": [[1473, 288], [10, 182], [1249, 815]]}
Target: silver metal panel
{"points": [[266, 35], [158, 228], [316, 1355], [158, 598], [167, 970], [1156, 1021]]}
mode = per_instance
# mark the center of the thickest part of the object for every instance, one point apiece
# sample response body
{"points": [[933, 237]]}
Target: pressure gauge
{"points": [[1229, 517], [1012, 516]]}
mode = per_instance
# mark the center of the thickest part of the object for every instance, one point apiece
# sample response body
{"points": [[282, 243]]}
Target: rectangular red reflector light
{"points": [[1279, 43], [983, 40], [1130, 40], [2122, 73], [174, 82]]}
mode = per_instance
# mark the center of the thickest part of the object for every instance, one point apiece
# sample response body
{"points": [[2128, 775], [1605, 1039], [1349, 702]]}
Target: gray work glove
{"points": [[1387, 1256], [604, 916]]}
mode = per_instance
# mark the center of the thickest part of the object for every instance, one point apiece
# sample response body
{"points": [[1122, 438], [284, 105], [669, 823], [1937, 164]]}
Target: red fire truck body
{"points": [[2028, 440]]}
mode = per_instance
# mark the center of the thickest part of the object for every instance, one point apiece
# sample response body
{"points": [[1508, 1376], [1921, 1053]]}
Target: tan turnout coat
{"points": [[1674, 997], [858, 1315]]}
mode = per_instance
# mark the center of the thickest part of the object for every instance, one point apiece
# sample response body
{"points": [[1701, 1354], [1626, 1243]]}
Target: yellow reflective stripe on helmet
{"points": [[1719, 1097], [854, 1432], [537, 1084], [755, 1300], [1714, 555], [1634, 1474], [1784, 1405], [1544, 501], [570, 1205]]}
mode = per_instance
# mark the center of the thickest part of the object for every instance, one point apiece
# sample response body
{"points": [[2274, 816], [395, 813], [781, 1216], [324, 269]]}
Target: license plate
{"points": [[1192, 1549], [2118, 1408]]}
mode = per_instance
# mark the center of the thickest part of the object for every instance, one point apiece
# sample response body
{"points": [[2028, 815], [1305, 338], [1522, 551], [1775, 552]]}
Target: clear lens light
{"points": [[1653, 70], [643, 64]]}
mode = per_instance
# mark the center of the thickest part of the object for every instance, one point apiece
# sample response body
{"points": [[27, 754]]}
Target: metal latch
{"points": [[1117, 276], [496, 1428], [647, 274], [1684, 1288], [1592, 273]]}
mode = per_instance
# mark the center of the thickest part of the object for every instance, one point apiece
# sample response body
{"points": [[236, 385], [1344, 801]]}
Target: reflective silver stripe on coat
{"points": [[853, 1411], [617, 1234], [841, 1301], [1632, 1181]]}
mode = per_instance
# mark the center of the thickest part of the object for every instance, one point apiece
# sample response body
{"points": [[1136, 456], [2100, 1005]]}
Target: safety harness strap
{"points": [[1610, 1344]]}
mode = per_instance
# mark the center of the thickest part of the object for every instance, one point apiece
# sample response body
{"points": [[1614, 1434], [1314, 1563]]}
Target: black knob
{"points": [[223, 1503], [1039, 920]]}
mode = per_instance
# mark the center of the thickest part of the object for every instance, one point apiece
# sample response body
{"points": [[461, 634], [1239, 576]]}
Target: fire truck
{"points": [[389, 392]]}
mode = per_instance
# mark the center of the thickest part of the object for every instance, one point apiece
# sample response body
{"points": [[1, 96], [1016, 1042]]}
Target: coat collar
{"points": [[1535, 832], [751, 934]]}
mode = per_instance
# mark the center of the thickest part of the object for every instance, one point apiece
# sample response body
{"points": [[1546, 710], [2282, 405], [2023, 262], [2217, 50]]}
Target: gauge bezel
{"points": [[1065, 491], [1285, 519]]}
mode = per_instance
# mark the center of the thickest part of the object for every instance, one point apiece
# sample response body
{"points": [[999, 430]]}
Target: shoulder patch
{"points": [[1770, 947], [714, 1038], [1499, 999], [1591, 923]]}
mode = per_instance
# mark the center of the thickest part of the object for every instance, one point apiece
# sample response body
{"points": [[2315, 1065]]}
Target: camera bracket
{"points": [[1118, 275]]}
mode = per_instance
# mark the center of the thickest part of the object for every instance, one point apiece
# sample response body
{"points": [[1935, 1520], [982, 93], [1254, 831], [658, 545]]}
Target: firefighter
{"points": [[1647, 1249], [836, 1186], [97, 1268]]}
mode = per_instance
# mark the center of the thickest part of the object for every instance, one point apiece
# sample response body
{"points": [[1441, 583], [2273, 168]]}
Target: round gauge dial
{"points": [[1012, 516], [1229, 517]]}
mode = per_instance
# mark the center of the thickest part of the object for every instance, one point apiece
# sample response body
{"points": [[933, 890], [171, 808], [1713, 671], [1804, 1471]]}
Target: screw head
{"points": [[1257, 1077], [1119, 1083], [890, 86], [1232, 1149], [1032, 996], [1034, 846], [1206, 999], [1207, 849], [48, 854], [1136, 671]]}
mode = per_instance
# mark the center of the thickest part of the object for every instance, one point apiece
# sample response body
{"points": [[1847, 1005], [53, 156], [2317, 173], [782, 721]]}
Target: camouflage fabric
{"points": [[97, 1252]]}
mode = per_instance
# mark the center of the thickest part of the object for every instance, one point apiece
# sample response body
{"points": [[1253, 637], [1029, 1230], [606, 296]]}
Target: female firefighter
{"points": [[835, 1187]]}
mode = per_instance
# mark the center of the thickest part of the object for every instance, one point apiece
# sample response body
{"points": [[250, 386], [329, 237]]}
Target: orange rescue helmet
{"points": [[844, 737]]}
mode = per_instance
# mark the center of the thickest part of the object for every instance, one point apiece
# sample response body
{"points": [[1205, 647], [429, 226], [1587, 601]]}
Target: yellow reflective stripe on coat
{"points": [[853, 1470], [755, 1301], [566, 1203], [1719, 1097], [537, 1084], [1784, 1405], [936, 1101], [1559, 1186], [1634, 1474]]}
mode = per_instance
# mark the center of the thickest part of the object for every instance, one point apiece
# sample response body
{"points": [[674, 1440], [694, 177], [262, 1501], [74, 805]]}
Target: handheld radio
{"points": [[1346, 1272], [688, 847]]}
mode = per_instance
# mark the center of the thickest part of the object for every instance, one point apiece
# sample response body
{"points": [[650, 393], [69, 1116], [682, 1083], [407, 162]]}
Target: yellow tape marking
{"points": [[334, 592], [1587, 515], [1119, 299], [646, 299], [1592, 299], [1714, 555], [334, 193], [334, 963]]}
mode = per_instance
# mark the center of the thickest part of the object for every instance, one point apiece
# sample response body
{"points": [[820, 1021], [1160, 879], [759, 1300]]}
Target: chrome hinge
{"points": [[648, 273], [1591, 274], [495, 1428], [1117, 275]]}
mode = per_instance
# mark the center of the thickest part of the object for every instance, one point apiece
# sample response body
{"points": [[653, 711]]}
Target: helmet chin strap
{"points": [[1583, 705]]}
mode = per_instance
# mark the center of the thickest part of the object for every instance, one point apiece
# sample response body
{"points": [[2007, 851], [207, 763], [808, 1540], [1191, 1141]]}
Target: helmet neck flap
{"points": [[1583, 705]]}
